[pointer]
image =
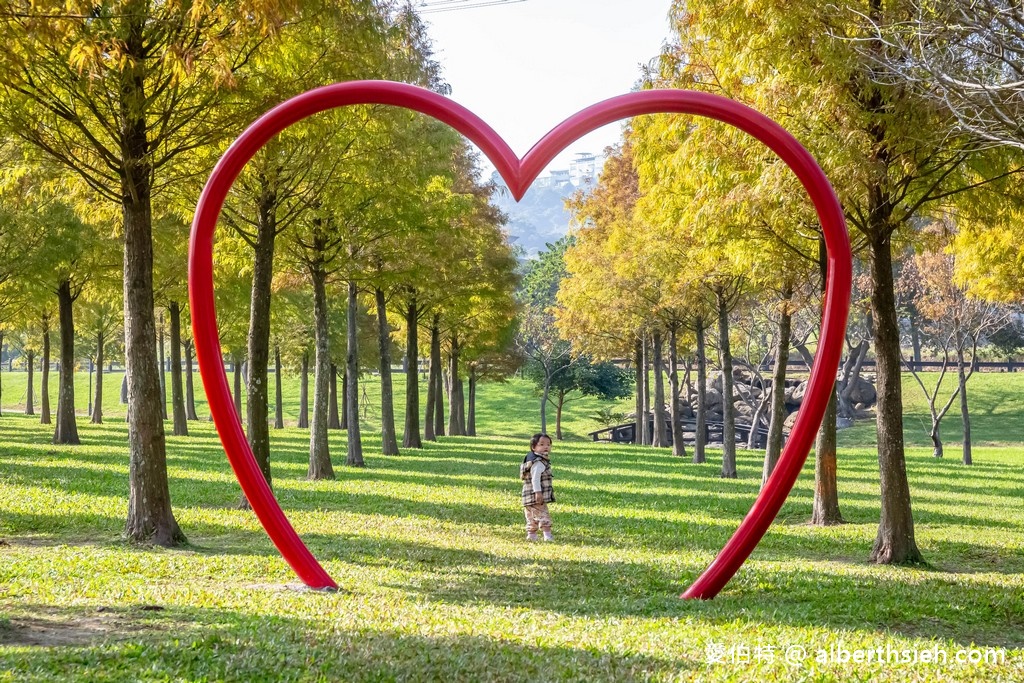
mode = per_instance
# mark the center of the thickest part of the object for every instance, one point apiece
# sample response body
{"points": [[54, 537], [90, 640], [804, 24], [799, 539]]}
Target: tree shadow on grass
{"points": [[207, 644]]}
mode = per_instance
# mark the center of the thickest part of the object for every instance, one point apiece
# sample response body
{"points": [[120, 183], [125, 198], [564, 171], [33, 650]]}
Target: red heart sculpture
{"points": [[519, 174]]}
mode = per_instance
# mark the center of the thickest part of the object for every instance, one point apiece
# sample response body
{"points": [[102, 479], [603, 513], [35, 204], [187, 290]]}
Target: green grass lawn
{"points": [[438, 583]]}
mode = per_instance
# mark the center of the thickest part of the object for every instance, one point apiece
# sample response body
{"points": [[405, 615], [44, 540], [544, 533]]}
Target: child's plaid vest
{"points": [[525, 473]]}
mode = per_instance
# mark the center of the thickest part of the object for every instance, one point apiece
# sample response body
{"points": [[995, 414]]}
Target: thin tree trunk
{"points": [[44, 382], [638, 363], [728, 418], [389, 439], [456, 405], [67, 425], [319, 448], [304, 392], [236, 390], [700, 437], [97, 404], [895, 542], [344, 400], [411, 436], [471, 417], [435, 377], [278, 401], [825, 509], [355, 442], [124, 388], [659, 392], [648, 429], [177, 394], [190, 391], [431, 406], [30, 401], [163, 369], [773, 448], [333, 419], [965, 415], [678, 447]]}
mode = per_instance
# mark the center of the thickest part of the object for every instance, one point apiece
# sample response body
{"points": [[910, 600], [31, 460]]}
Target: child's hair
{"points": [[536, 439]]}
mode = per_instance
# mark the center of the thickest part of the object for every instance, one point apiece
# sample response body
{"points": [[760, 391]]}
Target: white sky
{"points": [[524, 67]]}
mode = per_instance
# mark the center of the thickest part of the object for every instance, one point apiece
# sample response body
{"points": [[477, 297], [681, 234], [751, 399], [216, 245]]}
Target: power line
{"points": [[438, 6]]}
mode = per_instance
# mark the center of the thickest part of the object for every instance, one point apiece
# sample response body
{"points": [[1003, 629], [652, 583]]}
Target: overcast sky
{"points": [[524, 67]]}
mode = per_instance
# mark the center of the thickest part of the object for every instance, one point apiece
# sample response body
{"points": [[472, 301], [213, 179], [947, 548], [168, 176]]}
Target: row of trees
{"points": [[693, 222], [113, 118]]}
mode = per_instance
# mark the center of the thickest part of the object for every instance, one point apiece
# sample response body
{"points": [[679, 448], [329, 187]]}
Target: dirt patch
{"points": [[60, 629]]}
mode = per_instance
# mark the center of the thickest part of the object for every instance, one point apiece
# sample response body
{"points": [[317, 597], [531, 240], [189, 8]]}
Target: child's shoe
{"points": [[532, 536], [548, 536]]}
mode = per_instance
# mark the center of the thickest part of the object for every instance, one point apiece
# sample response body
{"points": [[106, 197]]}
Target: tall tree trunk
{"points": [[344, 399], [278, 402], [177, 393], [304, 392], [965, 415], [471, 417], [431, 402], [30, 408], [389, 438], [124, 388], [648, 431], [236, 369], [895, 542], [319, 448], [773, 447], [638, 363], [659, 392], [355, 442], [728, 416], [456, 406], [825, 510], [435, 377], [44, 381], [150, 517], [333, 419], [163, 369], [678, 447], [258, 337], [190, 389], [700, 436], [411, 435], [97, 404], [67, 426]]}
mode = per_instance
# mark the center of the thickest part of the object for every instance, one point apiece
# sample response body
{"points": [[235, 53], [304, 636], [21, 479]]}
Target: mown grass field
{"points": [[438, 583]]}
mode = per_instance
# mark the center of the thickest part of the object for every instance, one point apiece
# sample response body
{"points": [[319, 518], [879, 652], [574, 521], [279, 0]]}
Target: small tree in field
{"points": [[566, 379], [954, 323]]}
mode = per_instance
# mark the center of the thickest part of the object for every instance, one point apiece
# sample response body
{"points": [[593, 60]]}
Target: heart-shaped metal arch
{"points": [[519, 174]]}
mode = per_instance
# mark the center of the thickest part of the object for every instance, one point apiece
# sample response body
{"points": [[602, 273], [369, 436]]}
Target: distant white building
{"points": [[582, 172], [584, 168]]}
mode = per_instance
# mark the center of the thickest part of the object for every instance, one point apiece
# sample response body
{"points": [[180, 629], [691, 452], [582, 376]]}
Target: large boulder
{"points": [[862, 392], [790, 420]]}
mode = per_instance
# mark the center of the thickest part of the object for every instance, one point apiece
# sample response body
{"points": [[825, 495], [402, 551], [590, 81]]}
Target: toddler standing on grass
{"points": [[537, 490]]}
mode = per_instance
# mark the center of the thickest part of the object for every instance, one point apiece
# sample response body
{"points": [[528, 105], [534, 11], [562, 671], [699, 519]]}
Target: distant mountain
{"points": [[540, 217]]}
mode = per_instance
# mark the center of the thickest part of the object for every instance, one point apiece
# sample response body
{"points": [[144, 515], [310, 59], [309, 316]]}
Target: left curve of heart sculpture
{"points": [[519, 174]]}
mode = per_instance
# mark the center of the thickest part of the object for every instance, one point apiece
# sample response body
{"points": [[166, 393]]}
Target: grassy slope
{"points": [[439, 585]]}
